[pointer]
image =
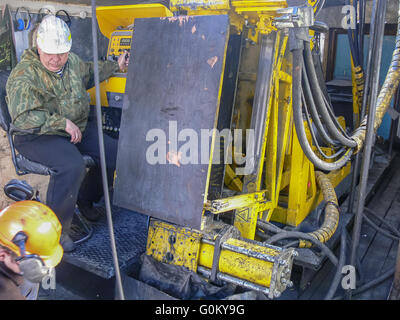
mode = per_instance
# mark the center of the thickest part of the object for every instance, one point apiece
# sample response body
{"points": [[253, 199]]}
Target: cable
{"points": [[378, 229], [304, 236], [372, 213]]}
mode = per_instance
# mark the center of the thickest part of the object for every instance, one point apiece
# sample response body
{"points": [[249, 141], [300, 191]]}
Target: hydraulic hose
{"points": [[380, 230], [304, 236], [356, 141], [297, 52], [331, 220], [313, 110], [384, 222], [321, 103], [385, 96], [314, 138]]}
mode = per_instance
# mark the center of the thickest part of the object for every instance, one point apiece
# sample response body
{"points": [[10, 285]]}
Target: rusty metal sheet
{"points": [[172, 94]]}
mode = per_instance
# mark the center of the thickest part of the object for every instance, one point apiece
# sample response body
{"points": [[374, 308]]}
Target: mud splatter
{"points": [[212, 61], [174, 157]]}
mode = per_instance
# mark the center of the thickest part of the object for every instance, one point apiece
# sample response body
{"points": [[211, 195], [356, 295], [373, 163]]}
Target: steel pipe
{"points": [[370, 135]]}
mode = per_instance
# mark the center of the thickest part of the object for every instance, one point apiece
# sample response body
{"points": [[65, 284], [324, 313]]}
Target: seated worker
{"points": [[47, 91], [29, 246]]}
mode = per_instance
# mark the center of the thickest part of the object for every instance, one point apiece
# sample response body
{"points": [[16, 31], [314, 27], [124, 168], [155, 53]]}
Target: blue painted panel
{"points": [[343, 68]]}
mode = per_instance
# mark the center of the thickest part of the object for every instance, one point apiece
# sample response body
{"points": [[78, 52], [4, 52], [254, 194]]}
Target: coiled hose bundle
{"points": [[324, 120]]}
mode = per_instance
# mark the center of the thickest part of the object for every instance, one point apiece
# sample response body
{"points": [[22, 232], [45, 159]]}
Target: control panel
{"points": [[120, 41], [111, 120], [112, 90]]}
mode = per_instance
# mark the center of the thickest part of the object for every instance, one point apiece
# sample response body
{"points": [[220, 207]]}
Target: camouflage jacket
{"points": [[38, 98]]}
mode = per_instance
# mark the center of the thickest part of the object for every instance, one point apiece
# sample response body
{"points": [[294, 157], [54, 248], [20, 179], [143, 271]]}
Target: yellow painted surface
{"points": [[239, 265], [110, 18]]}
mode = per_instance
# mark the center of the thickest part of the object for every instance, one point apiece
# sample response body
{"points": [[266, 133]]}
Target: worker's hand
{"points": [[123, 61], [73, 130]]}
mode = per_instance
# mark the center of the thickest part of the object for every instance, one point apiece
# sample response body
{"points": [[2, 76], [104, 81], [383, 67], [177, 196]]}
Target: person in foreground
{"points": [[29, 246], [46, 92]]}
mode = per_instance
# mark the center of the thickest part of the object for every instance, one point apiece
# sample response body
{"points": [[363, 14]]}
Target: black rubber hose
{"points": [[320, 102], [373, 283], [267, 226], [370, 284], [314, 138], [300, 235], [325, 108], [380, 230], [313, 110], [353, 50], [329, 108], [387, 224], [353, 37], [316, 55], [299, 124]]}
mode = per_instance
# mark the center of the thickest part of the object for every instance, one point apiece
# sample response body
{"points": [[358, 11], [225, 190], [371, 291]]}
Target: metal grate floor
{"points": [[95, 255]]}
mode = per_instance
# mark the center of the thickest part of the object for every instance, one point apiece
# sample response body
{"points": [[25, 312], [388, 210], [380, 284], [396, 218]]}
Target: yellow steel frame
{"points": [[282, 189], [283, 165]]}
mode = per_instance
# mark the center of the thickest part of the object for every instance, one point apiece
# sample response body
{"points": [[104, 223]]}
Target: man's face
{"points": [[53, 62], [9, 260]]}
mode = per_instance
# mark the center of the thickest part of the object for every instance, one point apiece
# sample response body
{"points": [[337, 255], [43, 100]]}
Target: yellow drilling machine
{"points": [[232, 164], [227, 138]]}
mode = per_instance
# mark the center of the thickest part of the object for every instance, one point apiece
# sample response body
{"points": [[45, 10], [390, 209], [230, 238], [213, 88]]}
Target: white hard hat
{"points": [[53, 35]]}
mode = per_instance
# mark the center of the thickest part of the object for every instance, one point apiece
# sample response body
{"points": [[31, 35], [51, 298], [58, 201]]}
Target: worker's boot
{"points": [[89, 211], [66, 242]]}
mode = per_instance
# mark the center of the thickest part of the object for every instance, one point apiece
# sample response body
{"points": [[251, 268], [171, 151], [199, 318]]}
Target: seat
{"points": [[18, 191]]}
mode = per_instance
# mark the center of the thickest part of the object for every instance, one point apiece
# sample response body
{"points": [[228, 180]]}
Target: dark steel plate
{"points": [[174, 80]]}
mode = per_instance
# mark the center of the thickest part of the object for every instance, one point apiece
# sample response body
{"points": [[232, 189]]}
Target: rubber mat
{"points": [[95, 255]]}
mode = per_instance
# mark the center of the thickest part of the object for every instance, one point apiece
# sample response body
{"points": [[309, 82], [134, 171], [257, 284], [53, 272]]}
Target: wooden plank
{"points": [[380, 203], [374, 247], [381, 255], [173, 84], [395, 286]]}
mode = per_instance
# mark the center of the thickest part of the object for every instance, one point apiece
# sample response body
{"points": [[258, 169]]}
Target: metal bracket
{"points": [[295, 17], [281, 272], [223, 235]]}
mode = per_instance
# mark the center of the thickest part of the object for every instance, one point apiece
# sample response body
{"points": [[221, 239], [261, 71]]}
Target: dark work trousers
{"points": [[70, 182]]}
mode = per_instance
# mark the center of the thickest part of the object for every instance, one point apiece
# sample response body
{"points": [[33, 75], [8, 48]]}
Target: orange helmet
{"points": [[40, 225]]}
